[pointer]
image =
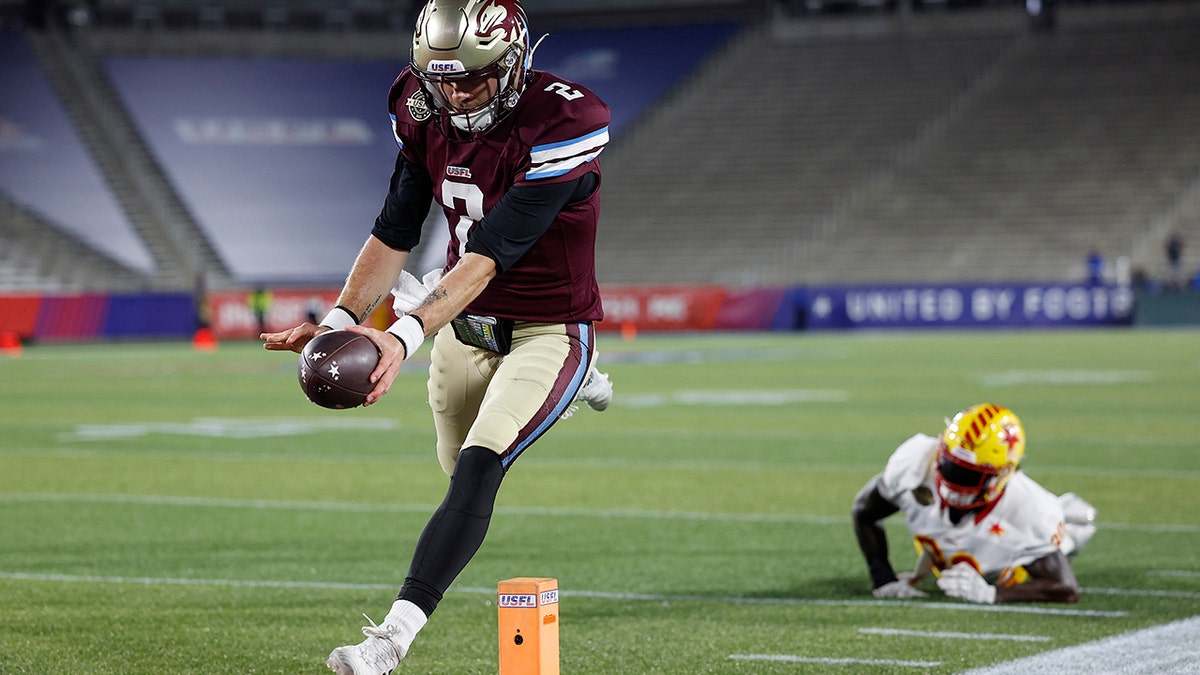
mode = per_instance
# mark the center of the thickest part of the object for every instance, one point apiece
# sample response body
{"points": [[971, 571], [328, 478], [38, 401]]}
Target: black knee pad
{"points": [[475, 482]]}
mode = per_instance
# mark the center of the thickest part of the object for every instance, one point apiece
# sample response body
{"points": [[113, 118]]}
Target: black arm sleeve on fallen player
{"points": [[523, 216], [870, 507], [406, 206]]}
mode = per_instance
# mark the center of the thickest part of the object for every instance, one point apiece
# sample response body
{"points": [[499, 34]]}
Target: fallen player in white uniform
{"points": [[988, 532]]}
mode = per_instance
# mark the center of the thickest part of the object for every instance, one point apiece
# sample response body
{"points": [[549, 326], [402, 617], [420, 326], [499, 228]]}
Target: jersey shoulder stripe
{"points": [[556, 159], [395, 133]]}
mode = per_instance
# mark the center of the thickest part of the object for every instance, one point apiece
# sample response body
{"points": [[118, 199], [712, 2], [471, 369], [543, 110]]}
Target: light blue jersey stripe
{"points": [[394, 134], [562, 144], [556, 159], [560, 168], [585, 338]]}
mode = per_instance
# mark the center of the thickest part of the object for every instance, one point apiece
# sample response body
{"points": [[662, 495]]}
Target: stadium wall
{"points": [[229, 314]]}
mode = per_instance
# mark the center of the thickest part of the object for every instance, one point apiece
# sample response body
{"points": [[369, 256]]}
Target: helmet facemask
{"points": [[500, 81], [965, 486]]}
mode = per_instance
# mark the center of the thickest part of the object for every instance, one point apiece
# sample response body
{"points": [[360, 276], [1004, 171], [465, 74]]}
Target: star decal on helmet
{"points": [[1012, 436]]}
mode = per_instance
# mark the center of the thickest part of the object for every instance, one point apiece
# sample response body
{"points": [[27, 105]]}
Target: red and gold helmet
{"points": [[469, 41], [978, 452]]}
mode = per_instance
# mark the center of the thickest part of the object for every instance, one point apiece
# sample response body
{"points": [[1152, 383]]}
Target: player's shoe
{"points": [[597, 390], [373, 656], [386, 643], [377, 655]]}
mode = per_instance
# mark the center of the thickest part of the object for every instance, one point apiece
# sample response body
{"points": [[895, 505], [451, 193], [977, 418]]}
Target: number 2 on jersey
{"points": [[472, 198]]}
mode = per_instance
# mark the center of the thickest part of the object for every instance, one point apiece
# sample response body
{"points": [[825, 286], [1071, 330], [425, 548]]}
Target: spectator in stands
{"points": [[1175, 274], [510, 155], [1041, 15], [1095, 268], [988, 531]]}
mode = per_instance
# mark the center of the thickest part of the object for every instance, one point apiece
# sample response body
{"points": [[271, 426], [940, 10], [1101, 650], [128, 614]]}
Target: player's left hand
{"points": [[391, 355], [293, 339], [963, 582]]}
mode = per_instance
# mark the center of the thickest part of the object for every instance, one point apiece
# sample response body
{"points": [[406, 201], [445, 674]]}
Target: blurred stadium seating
{"points": [[875, 146]]}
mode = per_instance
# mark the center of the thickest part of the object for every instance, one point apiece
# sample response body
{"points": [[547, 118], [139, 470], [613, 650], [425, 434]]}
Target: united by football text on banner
{"points": [[967, 306]]}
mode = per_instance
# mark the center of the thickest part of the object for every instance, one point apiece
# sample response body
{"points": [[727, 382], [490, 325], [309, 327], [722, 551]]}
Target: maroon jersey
{"points": [[554, 134]]}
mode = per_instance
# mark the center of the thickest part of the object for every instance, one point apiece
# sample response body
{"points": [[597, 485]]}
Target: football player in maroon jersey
{"points": [[509, 153]]}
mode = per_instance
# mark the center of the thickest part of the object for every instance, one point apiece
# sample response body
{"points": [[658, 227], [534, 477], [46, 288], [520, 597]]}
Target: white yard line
{"points": [[1173, 573], [601, 595], [947, 635], [1169, 649], [555, 511], [788, 658]]}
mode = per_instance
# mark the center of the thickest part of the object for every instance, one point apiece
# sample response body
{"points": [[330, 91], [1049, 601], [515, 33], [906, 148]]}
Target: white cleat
{"points": [[597, 390], [377, 655], [386, 643]]}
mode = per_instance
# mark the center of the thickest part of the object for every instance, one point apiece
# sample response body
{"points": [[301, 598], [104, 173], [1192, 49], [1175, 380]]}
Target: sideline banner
{"points": [[231, 314], [95, 316], [661, 307], [967, 306], [649, 308], [682, 308]]}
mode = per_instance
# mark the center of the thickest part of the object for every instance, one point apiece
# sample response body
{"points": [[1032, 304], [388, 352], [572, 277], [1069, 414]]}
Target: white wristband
{"points": [[411, 332], [339, 319]]}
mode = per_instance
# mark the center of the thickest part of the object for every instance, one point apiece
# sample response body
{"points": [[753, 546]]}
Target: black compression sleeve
{"points": [[410, 193], [870, 507], [523, 216], [456, 529]]}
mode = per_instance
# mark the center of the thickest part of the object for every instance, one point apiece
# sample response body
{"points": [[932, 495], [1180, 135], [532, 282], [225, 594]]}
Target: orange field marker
{"points": [[528, 612]]}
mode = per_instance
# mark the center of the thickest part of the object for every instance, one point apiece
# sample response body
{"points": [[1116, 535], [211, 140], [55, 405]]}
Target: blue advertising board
{"points": [[966, 306]]}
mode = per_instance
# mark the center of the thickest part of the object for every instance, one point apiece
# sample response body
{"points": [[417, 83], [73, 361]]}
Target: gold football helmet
{"points": [[978, 452], [481, 45]]}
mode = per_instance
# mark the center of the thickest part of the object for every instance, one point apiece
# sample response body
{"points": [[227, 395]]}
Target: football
{"points": [[335, 369]]}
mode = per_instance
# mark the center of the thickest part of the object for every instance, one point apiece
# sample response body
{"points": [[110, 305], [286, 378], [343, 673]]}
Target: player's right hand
{"points": [[292, 340], [963, 581], [391, 356], [900, 589]]}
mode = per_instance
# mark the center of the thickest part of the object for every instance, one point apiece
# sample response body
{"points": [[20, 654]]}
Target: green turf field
{"points": [[164, 510]]}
